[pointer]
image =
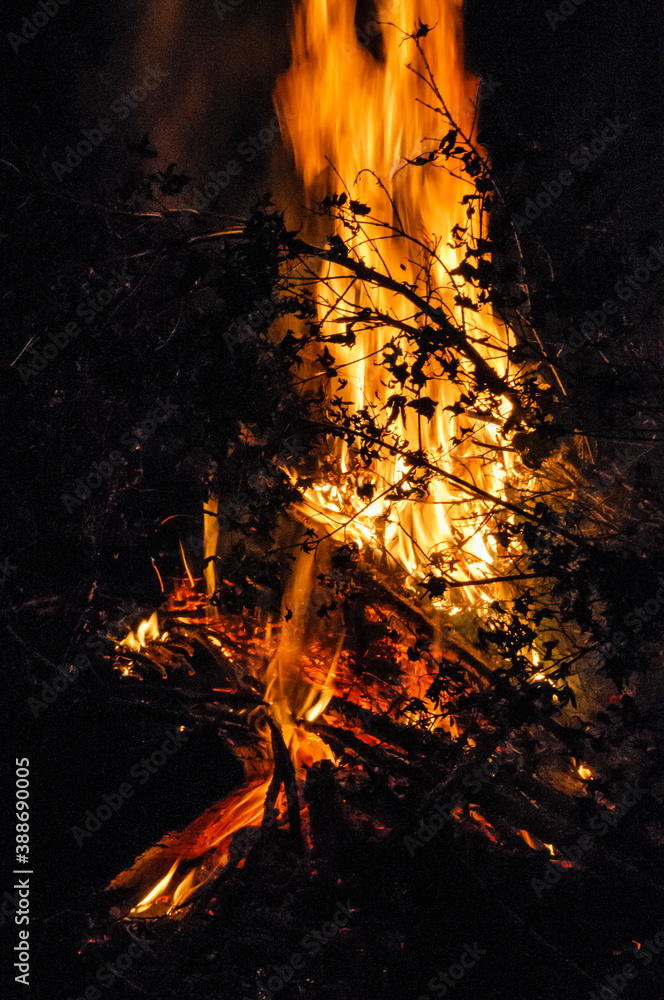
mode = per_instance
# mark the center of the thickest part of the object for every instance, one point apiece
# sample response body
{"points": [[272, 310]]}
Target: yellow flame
{"points": [[157, 891], [147, 631], [350, 118], [341, 106], [186, 565], [533, 842], [184, 889], [210, 541]]}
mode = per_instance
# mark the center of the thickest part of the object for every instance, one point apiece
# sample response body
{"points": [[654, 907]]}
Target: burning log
{"points": [[414, 741], [284, 773], [372, 756], [322, 797]]}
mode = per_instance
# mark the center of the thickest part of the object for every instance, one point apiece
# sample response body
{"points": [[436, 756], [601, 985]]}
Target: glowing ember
{"points": [[484, 826], [533, 842]]}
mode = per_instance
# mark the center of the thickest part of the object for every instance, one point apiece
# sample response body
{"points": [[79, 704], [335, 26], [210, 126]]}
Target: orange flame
{"points": [[352, 116], [156, 891], [534, 842], [486, 827], [147, 631]]}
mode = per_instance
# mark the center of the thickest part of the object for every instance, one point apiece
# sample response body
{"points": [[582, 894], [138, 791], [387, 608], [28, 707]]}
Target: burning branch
{"points": [[284, 773], [452, 336]]}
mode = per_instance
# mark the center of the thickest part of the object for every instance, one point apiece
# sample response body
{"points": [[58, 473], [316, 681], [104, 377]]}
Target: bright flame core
{"points": [[352, 118], [147, 631]]}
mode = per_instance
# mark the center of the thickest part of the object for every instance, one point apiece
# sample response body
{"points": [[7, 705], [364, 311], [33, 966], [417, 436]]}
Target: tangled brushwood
{"points": [[407, 649], [570, 557]]}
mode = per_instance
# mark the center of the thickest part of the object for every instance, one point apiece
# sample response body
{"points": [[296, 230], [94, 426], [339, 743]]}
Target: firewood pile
{"points": [[472, 824]]}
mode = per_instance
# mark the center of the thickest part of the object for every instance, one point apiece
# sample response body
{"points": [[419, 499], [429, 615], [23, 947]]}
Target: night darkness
{"points": [[129, 398]]}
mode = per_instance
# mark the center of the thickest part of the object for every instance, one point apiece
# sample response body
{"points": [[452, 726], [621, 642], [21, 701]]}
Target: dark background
{"points": [[551, 90]]}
